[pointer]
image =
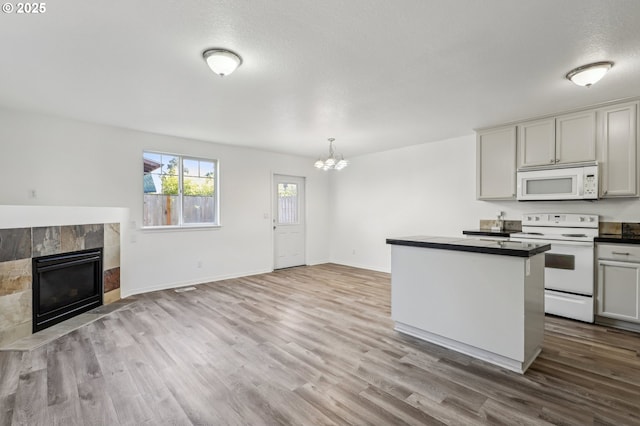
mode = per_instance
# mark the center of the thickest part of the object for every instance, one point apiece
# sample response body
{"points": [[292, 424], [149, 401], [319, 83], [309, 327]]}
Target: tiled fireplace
{"points": [[18, 248]]}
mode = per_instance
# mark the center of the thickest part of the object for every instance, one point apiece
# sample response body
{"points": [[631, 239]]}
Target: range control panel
{"points": [[567, 220]]}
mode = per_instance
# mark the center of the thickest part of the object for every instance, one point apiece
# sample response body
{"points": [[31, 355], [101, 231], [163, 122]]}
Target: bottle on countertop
{"points": [[499, 223]]}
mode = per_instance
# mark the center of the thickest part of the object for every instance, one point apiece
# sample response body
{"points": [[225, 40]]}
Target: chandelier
{"points": [[332, 162]]}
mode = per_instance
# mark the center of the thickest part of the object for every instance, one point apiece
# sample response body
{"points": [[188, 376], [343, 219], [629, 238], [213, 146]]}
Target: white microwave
{"points": [[570, 182]]}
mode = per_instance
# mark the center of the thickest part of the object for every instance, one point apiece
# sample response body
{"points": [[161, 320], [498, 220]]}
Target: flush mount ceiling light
{"points": [[332, 162], [589, 74], [221, 61]]}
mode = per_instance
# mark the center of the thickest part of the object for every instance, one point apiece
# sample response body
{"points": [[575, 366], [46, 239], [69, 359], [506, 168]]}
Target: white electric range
{"points": [[569, 265]]}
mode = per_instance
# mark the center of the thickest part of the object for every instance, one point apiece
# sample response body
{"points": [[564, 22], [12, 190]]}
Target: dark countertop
{"points": [[505, 248], [488, 233], [618, 239]]}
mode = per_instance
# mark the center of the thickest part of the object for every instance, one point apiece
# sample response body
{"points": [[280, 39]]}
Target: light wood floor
{"points": [[309, 345]]}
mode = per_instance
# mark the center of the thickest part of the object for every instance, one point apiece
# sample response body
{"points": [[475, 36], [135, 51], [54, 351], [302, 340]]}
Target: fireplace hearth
{"points": [[66, 285]]}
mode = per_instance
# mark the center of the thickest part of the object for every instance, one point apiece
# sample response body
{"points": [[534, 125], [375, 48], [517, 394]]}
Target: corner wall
{"points": [[426, 189]]}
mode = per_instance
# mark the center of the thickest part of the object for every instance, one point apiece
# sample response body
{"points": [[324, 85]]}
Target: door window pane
{"points": [[287, 203]]}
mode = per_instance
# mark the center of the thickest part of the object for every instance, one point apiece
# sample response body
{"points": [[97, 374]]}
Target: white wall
{"points": [[70, 163], [426, 189]]}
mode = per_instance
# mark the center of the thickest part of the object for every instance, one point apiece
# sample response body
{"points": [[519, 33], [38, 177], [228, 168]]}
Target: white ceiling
{"points": [[374, 74]]}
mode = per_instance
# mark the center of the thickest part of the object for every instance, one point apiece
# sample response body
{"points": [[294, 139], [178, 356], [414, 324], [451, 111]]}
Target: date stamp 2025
{"points": [[24, 8]]}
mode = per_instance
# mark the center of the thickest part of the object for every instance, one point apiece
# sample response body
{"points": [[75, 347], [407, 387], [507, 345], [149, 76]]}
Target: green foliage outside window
{"points": [[194, 186]]}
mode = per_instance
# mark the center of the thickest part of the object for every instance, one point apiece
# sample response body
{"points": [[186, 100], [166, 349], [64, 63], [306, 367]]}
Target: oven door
{"points": [[569, 266]]}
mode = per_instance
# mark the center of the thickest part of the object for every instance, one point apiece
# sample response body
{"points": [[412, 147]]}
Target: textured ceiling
{"points": [[374, 74]]}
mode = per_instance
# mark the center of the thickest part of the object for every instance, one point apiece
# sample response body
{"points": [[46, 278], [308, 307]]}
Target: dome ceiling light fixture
{"points": [[589, 74], [222, 61], [332, 162]]}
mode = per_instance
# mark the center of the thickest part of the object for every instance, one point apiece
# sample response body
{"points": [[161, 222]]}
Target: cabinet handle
{"points": [[620, 253], [606, 192], [552, 161], [557, 160]]}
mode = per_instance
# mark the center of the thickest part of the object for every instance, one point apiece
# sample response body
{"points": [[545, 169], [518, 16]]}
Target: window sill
{"points": [[197, 227]]}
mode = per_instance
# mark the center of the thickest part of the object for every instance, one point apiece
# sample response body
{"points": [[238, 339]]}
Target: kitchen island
{"points": [[482, 298]]}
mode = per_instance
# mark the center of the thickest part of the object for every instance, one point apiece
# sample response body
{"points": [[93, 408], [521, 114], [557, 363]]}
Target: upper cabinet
{"points": [[576, 137], [618, 151], [608, 135], [537, 143], [496, 164], [569, 138]]}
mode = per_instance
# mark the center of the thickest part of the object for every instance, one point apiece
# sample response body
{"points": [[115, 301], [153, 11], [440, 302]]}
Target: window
{"points": [[287, 204], [179, 191]]}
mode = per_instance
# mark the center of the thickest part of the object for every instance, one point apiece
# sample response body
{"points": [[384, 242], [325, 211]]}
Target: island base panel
{"points": [[481, 354]]}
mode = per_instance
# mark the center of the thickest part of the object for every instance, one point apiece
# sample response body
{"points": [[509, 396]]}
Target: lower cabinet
{"points": [[618, 294]]}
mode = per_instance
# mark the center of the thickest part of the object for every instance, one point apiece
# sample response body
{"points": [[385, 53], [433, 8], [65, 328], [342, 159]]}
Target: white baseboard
{"points": [[187, 283], [361, 266], [179, 284], [317, 262]]}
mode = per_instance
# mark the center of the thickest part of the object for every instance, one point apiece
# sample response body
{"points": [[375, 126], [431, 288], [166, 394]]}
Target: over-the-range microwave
{"points": [[568, 182]]}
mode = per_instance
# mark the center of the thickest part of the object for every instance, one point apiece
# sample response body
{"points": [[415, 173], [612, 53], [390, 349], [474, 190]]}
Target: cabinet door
{"points": [[619, 290], [496, 164], [576, 137], [536, 143], [617, 145]]}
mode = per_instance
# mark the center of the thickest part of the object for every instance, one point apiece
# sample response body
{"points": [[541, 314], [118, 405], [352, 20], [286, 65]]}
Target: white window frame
{"points": [[216, 194]]}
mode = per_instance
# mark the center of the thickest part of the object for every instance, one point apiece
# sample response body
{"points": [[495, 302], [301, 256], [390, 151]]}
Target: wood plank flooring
{"points": [[306, 346]]}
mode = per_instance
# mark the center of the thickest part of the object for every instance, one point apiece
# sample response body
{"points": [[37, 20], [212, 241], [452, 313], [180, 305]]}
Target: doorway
{"points": [[288, 221]]}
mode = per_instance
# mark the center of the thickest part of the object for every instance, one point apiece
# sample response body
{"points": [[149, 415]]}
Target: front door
{"points": [[288, 221]]}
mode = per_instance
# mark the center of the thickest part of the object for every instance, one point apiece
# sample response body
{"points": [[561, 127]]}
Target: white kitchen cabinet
{"points": [[608, 134], [576, 137], [569, 138], [618, 293], [618, 152], [536, 143], [496, 164], [619, 290]]}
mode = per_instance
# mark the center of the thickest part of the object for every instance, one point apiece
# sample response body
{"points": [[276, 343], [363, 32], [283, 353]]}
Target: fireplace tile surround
{"points": [[18, 246]]}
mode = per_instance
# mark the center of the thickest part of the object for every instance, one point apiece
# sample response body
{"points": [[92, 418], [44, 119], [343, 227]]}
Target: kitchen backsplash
{"points": [[509, 225], [606, 228], [619, 228]]}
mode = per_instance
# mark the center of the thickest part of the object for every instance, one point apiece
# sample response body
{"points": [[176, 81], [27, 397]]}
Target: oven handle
{"points": [[555, 242]]}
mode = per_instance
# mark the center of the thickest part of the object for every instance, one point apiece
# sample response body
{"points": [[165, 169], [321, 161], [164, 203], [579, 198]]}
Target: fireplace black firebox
{"points": [[65, 285]]}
